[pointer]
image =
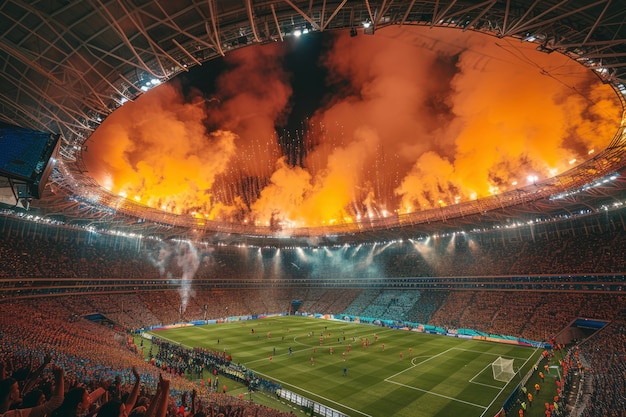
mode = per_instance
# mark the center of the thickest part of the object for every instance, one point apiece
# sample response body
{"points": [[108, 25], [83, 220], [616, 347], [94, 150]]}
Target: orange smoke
{"points": [[415, 118]]}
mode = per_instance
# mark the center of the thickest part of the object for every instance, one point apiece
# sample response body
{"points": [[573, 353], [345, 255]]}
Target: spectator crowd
{"points": [[53, 362]]}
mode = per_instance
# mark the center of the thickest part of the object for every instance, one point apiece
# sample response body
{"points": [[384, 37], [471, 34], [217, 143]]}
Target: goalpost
{"points": [[503, 369]]}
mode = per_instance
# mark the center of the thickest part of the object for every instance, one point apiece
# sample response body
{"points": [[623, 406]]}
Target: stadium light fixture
{"points": [[368, 27]]}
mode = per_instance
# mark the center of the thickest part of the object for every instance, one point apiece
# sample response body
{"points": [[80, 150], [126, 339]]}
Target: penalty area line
{"points": [[480, 383], [414, 365], [507, 384], [435, 394], [490, 353]]}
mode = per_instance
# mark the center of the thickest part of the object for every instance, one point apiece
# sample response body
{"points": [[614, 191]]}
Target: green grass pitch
{"points": [[413, 375]]}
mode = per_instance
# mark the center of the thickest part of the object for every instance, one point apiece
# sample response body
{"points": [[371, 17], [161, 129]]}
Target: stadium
{"points": [[463, 308]]}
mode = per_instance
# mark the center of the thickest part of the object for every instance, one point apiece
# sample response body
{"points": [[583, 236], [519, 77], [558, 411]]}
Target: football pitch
{"points": [[400, 373]]}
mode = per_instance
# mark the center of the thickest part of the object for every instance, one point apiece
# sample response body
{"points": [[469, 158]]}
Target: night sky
{"points": [[328, 128]]}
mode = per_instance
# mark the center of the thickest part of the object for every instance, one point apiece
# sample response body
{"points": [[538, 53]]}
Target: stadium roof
{"points": [[65, 66]]}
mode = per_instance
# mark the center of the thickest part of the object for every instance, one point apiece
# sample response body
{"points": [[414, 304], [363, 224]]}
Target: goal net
{"points": [[503, 369]]}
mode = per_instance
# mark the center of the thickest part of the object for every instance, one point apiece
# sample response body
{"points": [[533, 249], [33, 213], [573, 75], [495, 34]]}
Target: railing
{"points": [[12, 288]]}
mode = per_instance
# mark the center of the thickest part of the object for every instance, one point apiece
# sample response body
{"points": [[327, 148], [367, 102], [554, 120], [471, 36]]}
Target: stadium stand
{"points": [[525, 281], [92, 356], [127, 288]]}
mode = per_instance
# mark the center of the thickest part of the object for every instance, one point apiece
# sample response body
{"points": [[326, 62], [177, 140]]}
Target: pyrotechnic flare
{"points": [[412, 119]]}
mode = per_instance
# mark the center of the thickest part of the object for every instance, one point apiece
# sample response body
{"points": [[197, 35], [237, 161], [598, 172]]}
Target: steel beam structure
{"points": [[65, 66]]}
